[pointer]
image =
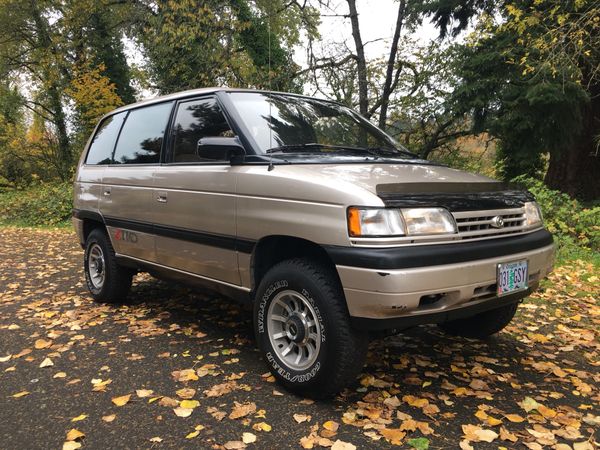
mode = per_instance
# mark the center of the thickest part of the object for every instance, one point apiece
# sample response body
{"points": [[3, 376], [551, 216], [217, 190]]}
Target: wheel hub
{"points": [[296, 328]]}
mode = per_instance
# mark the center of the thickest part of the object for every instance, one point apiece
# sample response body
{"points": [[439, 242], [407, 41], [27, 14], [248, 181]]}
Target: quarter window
{"points": [[142, 135], [103, 143], [195, 120]]}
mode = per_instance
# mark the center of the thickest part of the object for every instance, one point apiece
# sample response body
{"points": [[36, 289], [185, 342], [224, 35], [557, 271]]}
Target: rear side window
{"points": [[103, 143], [195, 120], [142, 135]]}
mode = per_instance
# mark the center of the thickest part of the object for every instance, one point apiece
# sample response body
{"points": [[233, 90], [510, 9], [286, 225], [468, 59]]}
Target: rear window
{"points": [[142, 135], [103, 143]]}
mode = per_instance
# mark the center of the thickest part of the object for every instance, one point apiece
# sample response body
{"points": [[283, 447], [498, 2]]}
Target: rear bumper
{"points": [[437, 291]]}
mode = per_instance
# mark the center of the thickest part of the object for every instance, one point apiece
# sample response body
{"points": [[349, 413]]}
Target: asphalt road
{"points": [[421, 384]]}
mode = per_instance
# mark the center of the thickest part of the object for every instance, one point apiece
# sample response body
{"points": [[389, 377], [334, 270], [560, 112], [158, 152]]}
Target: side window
{"points": [[142, 135], [195, 120], [104, 140]]}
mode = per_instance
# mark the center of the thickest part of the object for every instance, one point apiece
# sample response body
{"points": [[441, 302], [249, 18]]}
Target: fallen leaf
{"points": [[330, 425], [248, 438], [419, 443], [183, 412], [189, 404], [186, 393], [122, 400], [79, 418], [393, 435], [234, 445], [242, 410], [109, 418], [60, 375], [41, 344], [71, 445], [143, 393], [302, 418], [515, 418], [46, 363], [262, 426], [20, 394], [341, 445], [74, 434]]}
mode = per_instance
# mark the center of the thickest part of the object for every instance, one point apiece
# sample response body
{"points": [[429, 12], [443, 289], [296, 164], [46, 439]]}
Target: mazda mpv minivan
{"points": [[301, 206]]}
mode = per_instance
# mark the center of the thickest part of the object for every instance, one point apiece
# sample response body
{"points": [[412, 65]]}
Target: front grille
{"points": [[477, 224]]}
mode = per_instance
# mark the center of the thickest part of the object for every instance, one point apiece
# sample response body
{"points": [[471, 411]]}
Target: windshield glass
{"points": [[281, 123]]}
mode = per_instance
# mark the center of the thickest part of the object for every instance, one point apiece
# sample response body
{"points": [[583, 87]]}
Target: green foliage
{"points": [[576, 227], [43, 204]]}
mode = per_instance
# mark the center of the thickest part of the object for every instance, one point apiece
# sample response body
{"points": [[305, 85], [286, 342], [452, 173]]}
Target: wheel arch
{"points": [[273, 249]]}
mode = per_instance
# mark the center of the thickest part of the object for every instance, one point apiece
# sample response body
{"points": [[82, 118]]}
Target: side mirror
{"points": [[220, 148]]}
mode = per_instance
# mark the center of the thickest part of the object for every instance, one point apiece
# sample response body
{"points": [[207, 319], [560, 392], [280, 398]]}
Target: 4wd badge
{"points": [[124, 235]]}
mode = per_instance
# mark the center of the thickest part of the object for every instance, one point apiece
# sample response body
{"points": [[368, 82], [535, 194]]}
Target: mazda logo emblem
{"points": [[497, 222]]}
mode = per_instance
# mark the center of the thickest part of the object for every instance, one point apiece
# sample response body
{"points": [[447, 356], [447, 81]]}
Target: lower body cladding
{"points": [[384, 299]]}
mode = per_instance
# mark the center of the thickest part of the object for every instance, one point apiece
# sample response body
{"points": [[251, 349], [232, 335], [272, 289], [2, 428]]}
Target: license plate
{"points": [[512, 277]]}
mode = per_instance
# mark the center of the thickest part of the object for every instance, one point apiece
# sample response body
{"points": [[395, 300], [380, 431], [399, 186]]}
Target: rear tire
{"points": [[481, 325], [107, 281], [303, 329]]}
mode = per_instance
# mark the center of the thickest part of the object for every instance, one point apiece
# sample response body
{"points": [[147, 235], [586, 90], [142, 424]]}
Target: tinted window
{"points": [[104, 140], [142, 135], [194, 120]]}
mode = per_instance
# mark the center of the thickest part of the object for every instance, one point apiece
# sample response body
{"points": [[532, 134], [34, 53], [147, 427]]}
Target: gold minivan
{"points": [[301, 206]]}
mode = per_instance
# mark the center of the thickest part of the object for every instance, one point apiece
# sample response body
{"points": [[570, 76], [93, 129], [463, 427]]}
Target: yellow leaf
{"points": [[186, 393], [20, 394], [60, 375], [514, 418], [302, 418], [192, 435], [74, 434], [122, 400], [330, 425], [262, 426], [393, 435], [71, 445], [109, 418], [79, 418], [189, 404]]}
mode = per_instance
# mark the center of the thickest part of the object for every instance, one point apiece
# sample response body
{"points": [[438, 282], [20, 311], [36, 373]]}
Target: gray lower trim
{"points": [[183, 272]]}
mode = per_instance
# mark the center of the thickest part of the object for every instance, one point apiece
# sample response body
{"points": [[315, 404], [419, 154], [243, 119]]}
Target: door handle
{"points": [[106, 192], [161, 197]]}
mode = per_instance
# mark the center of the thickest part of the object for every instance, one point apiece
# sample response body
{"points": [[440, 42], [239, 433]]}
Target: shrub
{"points": [[46, 204], [570, 222]]}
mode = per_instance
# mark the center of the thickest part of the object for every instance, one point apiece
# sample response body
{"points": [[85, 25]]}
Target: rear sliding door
{"points": [[127, 199]]}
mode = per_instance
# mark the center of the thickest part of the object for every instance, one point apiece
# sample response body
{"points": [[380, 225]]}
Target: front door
{"points": [[194, 199]]}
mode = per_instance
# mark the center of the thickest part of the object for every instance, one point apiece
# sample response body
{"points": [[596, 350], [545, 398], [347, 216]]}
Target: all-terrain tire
{"points": [[341, 349], [483, 324], [116, 280]]}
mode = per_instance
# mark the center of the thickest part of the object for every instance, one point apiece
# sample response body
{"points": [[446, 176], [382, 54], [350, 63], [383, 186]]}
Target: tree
{"points": [[531, 80], [192, 44]]}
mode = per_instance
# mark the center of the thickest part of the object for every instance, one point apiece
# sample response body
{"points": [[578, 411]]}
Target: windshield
{"points": [[281, 123]]}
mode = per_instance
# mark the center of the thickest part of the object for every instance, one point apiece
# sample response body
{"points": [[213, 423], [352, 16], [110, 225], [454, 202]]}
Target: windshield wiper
{"points": [[383, 151], [294, 148]]}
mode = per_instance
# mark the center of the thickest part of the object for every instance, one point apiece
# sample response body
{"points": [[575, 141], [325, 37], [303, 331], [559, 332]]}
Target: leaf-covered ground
{"points": [[177, 368]]}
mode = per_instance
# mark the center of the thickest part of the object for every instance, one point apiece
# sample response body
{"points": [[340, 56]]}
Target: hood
{"points": [[379, 178]]}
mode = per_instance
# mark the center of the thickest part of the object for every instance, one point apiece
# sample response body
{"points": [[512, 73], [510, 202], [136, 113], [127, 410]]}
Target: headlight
{"points": [[533, 214], [399, 222]]}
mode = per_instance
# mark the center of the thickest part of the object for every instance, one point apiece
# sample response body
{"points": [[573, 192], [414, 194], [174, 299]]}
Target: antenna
{"points": [[271, 166]]}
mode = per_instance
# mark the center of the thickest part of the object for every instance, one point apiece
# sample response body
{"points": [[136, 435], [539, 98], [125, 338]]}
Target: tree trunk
{"points": [[363, 95], [50, 75], [577, 170], [387, 87]]}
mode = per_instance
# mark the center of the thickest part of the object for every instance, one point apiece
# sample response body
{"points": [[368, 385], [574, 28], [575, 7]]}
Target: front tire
{"points": [[483, 324], [303, 329], [107, 281]]}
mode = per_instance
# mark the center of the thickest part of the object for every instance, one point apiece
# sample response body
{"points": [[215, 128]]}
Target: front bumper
{"points": [[428, 293]]}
